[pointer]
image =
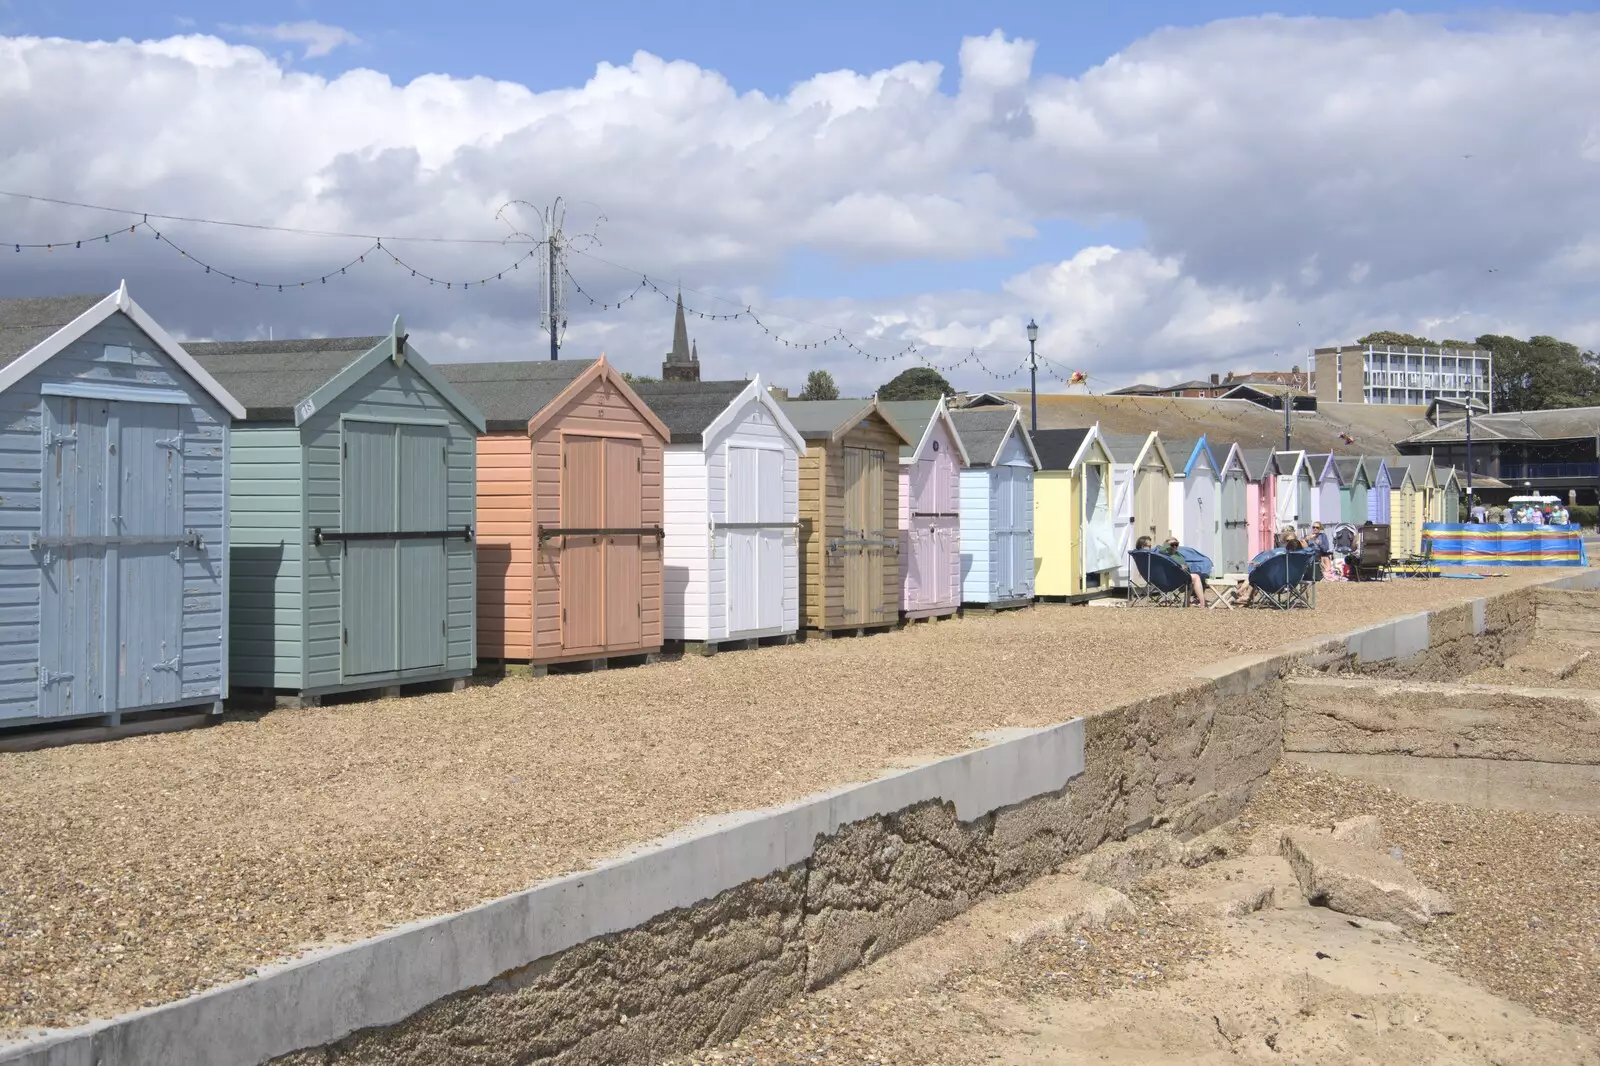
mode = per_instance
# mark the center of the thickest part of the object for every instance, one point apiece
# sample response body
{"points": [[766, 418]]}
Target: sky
{"points": [[1169, 191]]}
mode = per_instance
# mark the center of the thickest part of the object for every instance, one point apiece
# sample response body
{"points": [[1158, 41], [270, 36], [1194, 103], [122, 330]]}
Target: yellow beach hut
{"points": [[1411, 495], [1074, 526]]}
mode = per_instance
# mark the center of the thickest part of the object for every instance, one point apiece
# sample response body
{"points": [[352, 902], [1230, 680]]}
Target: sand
{"points": [[144, 870]]}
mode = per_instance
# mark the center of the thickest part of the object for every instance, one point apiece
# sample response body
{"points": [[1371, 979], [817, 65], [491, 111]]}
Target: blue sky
{"points": [[760, 47], [1238, 190]]}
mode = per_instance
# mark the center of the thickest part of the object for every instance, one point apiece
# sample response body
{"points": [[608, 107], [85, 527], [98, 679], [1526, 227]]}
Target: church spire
{"points": [[683, 362], [680, 335]]}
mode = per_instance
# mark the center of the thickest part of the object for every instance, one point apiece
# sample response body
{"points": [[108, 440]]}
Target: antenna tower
{"points": [[551, 236]]}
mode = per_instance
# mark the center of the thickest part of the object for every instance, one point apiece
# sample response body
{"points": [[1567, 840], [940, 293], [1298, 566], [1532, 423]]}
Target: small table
{"points": [[1230, 589]]}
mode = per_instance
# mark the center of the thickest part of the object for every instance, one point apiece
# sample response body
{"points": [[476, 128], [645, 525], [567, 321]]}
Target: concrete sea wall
{"points": [[691, 938]]}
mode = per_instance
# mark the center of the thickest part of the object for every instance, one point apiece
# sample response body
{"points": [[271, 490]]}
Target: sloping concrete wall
{"points": [[689, 939]]}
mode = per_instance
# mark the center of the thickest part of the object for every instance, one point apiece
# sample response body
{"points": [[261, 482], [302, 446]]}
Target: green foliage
{"points": [[1400, 340], [819, 386], [918, 383], [1585, 515], [638, 379], [1541, 373]]}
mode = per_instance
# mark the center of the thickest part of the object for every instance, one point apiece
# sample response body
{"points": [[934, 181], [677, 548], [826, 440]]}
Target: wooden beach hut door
{"points": [[111, 545], [863, 543], [392, 587], [602, 584], [1152, 498], [755, 540], [1235, 547]]}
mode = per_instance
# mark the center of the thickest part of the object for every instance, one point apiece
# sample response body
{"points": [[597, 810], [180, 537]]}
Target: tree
{"points": [[918, 383], [1541, 373], [638, 379], [819, 386], [1401, 340]]}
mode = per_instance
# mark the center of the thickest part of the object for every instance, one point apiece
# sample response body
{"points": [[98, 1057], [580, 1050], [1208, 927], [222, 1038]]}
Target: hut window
{"points": [[118, 353], [935, 445]]}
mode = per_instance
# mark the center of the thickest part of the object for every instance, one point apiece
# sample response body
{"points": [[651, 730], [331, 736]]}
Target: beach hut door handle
{"points": [[175, 443], [320, 536], [632, 531], [50, 677], [59, 439]]}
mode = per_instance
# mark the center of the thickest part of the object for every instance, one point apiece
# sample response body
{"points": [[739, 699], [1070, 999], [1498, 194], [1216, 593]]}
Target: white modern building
{"points": [[1382, 373]]}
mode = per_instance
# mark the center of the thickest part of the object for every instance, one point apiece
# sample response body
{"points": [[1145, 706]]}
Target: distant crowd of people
{"points": [[1527, 514]]}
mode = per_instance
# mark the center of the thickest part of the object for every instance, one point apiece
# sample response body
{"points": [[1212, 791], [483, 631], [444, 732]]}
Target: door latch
{"points": [[167, 664], [50, 677]]}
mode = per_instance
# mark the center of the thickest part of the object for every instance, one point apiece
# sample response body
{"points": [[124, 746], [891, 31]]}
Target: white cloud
{"points": [[1294, 181], [319, 38]]}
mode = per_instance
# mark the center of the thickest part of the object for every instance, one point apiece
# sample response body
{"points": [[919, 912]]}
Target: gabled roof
{"points": [[1417, 467], [686, 407], [1563, 423], [916, 419], [42, 331], [1292, 464], [1258, 462], [1186, 451], [510, 393], [1058, 448], [1321, 466], [280, 381], [1376, 466], [1350, 468], [832, 419], [985, 430], [1233, 459], [1133, 449]]}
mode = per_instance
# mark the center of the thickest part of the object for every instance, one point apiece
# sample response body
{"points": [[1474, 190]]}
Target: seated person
{"points": [[1170, 550], [1143, 544], [1324, 549], [1290, 541]]}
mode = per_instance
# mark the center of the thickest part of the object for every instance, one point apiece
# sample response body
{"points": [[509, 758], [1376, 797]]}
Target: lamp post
{"points": [[1467, 406], [1033, 375]]}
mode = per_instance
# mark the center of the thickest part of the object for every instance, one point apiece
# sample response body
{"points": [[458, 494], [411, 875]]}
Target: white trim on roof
{"points": [[941, 412], [1091, 438], [78, 328], [756, 390]]}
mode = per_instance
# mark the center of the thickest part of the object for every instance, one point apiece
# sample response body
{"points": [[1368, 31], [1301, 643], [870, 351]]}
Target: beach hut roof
{"points": [[1134, 448], [1186, 451], [1350, 468], [1321, 465], [696, 410], [510, 393], [688, 407], [290, 380], [1258, 462], [1290, 464], [916, 419], [832, 419], [983, 432], [1068, 449], [35, 330]]}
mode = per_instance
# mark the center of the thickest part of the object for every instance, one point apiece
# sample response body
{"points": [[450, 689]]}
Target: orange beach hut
{"points": [[569, 511]]}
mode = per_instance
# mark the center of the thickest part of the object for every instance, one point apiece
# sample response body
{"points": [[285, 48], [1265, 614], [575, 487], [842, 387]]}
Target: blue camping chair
{"points": [[1284, 579], [1165, 583]]}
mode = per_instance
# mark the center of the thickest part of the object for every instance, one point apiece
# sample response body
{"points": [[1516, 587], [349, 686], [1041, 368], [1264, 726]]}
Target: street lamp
{"points": [[1033, 374], [1467, 405]]}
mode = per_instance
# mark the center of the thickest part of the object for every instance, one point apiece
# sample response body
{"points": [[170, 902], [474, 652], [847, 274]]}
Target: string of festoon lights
{"points": [[379, 252]]}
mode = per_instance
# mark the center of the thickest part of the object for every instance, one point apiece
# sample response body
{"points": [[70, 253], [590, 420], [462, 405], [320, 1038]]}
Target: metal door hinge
{"points": [[175, 443], [167, 664], [347, 634], [50, 677], [58, 439], [346, 447]]}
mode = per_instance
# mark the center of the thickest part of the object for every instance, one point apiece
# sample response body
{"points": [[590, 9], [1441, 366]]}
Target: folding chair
{"points": [[1283, 579], [1166, 584]]}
